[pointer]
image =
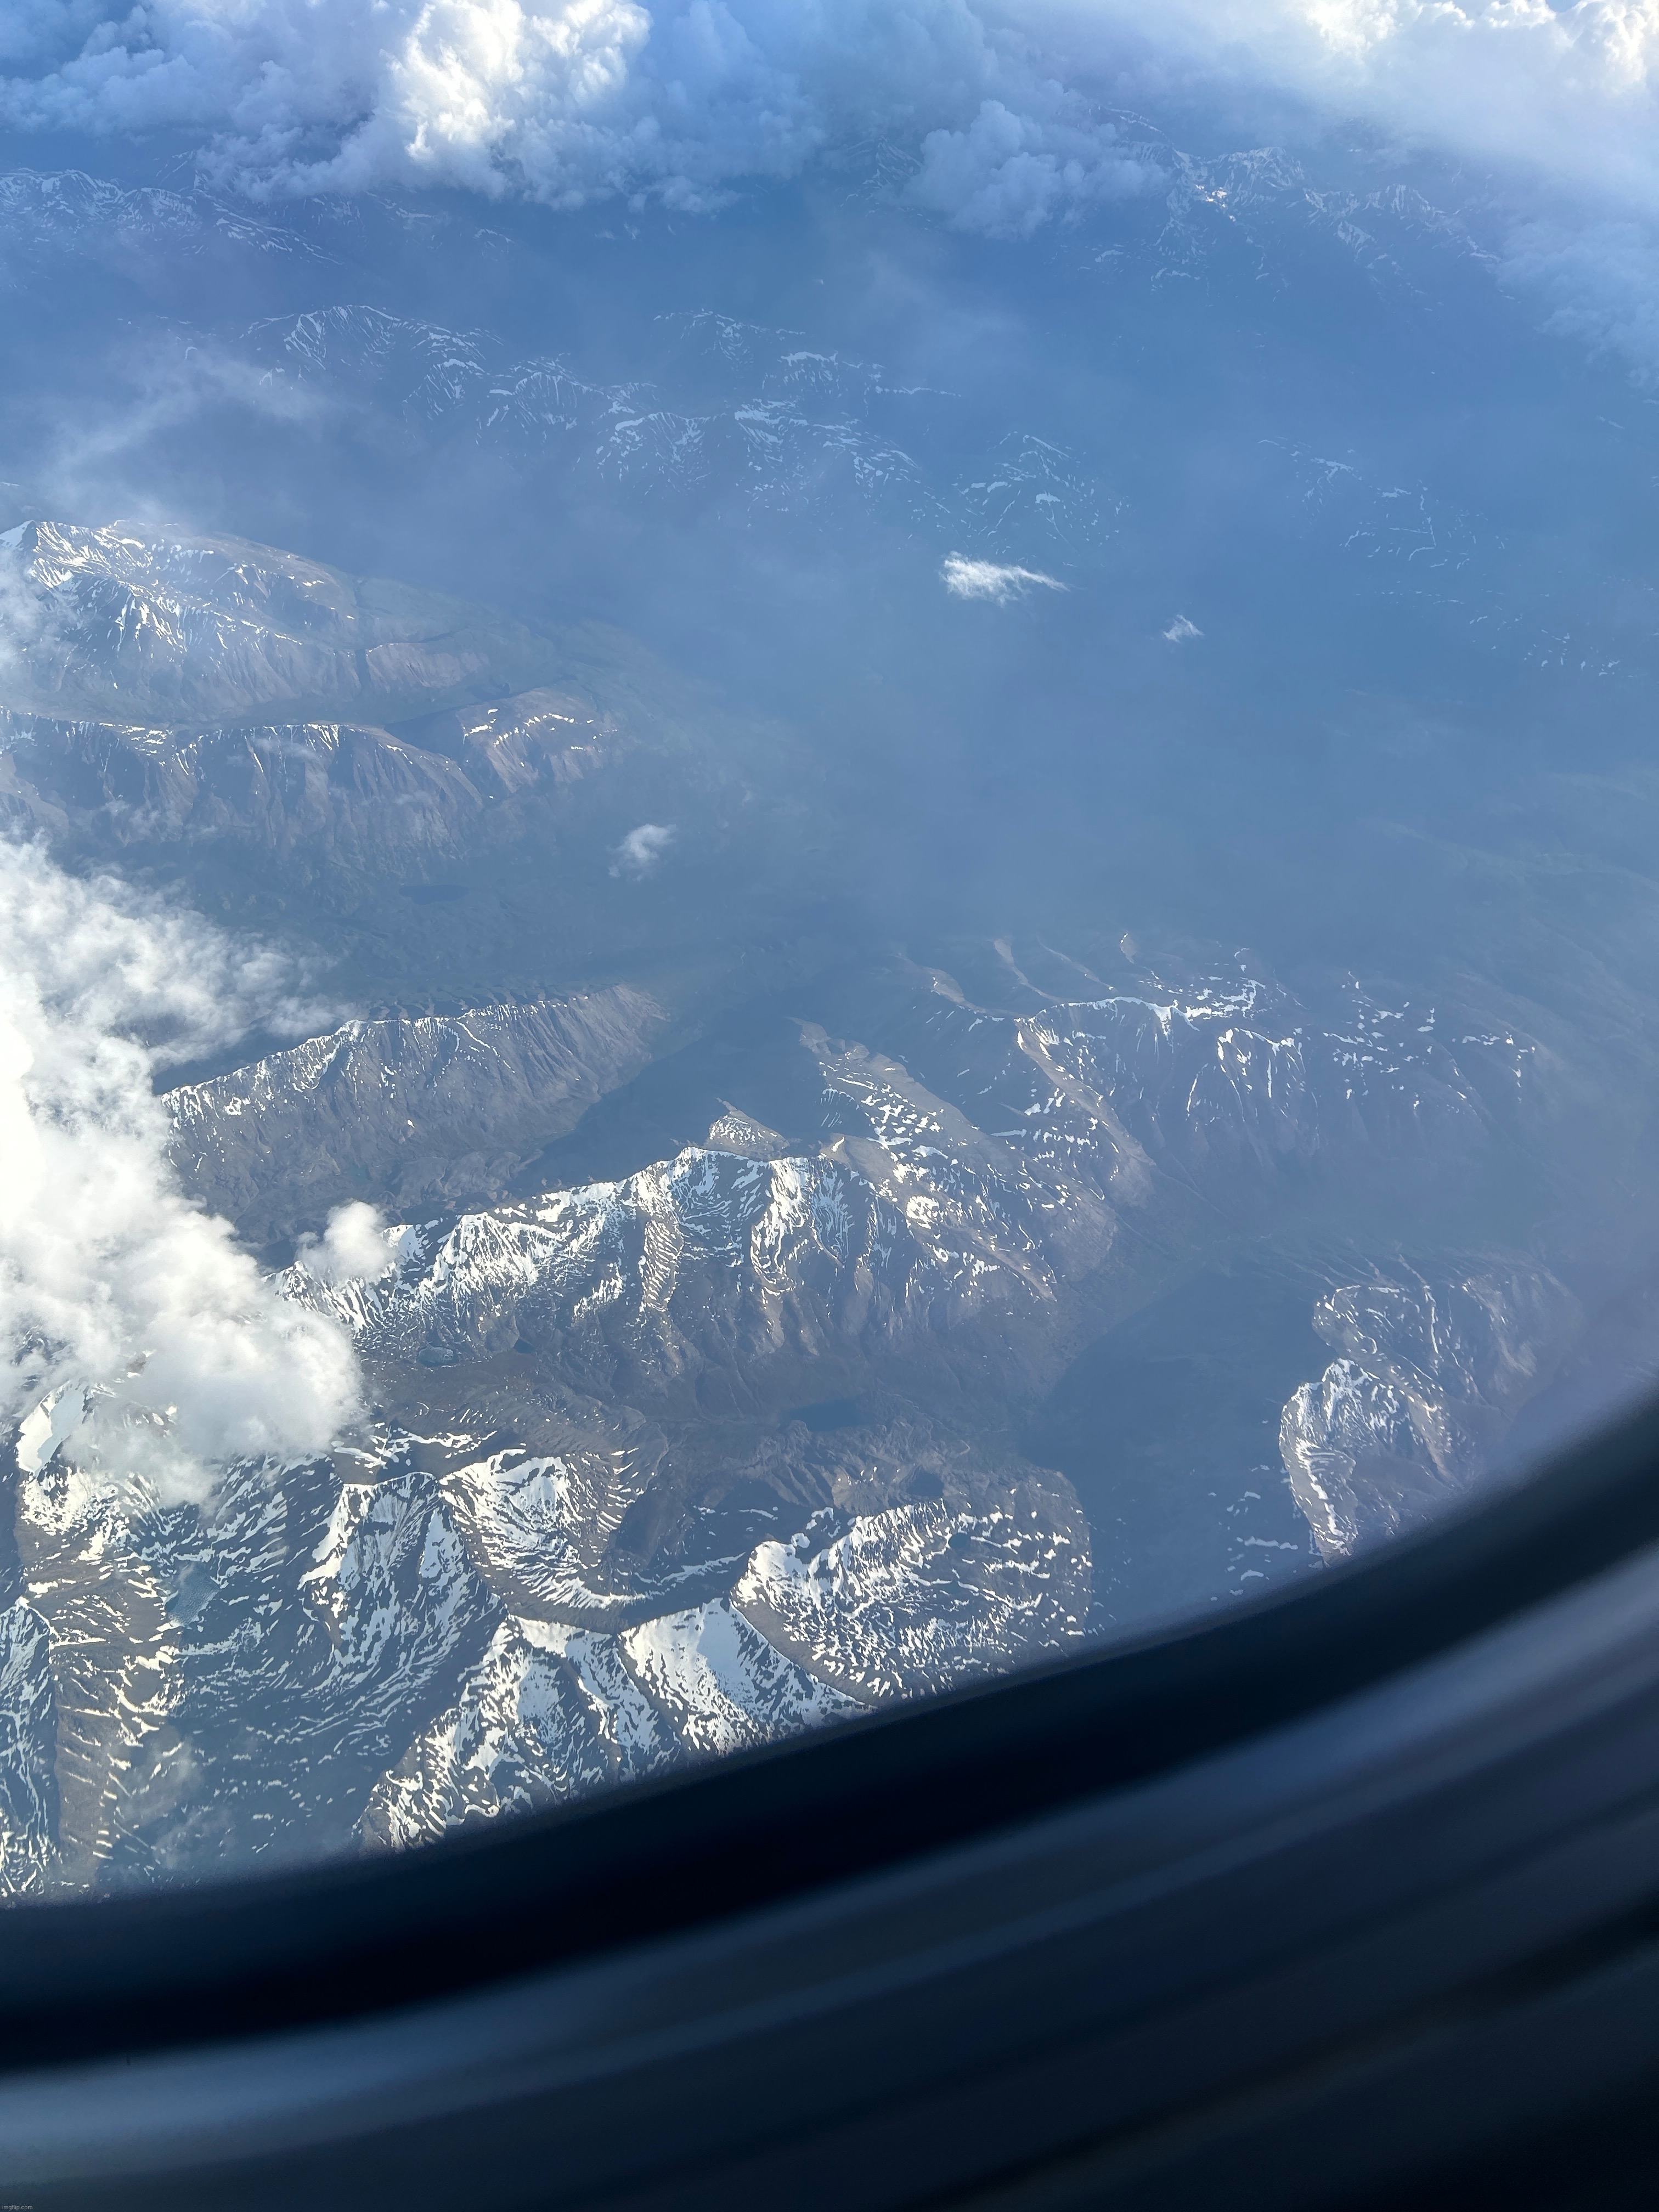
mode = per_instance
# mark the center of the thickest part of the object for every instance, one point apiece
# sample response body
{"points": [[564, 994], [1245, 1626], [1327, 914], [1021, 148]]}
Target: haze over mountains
{"points": [[860, 1122]]}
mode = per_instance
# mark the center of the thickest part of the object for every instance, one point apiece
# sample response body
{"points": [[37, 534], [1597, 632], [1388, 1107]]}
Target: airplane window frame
{"points": [[342, 1939]]}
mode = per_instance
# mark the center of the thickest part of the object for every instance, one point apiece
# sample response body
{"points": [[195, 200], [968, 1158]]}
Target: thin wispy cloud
{"points": [[641, 849], [999, 581], [1181, 629], [84, 446], [26, 623]]}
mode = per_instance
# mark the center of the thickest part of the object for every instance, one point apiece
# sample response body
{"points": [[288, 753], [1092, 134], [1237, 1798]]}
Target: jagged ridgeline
{"points": [[174, 628]]}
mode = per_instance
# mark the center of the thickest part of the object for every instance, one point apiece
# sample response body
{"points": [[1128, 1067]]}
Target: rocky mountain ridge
{"points": [[727, 412], [328, 1655], [432, 1111], [1431, 1375], [216, 627]]}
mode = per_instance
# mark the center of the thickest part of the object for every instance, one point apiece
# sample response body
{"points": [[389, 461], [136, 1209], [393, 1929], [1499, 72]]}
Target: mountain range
{"points": [[975, 979]]}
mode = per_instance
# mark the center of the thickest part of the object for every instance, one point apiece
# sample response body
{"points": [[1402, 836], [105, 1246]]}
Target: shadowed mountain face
{"points": [[425, 1111], [979, 933]]}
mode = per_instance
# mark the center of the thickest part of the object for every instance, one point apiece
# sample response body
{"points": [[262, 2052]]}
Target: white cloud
{"points": [[1006, 173], [997, 580], [116, 1292], [1003, 102], [642, 849], [1181, 629], [567, 99], [570, 100], [356, 1246]]}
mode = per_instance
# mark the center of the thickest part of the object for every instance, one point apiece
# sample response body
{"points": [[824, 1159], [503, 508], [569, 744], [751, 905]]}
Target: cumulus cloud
{"points": [[1004, 104], [1006, 173], [355, 1247], [998, 581], [126, 1313], [39, 31], [567, 99], [1181, 629], [571, 100], [642, 849]]}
